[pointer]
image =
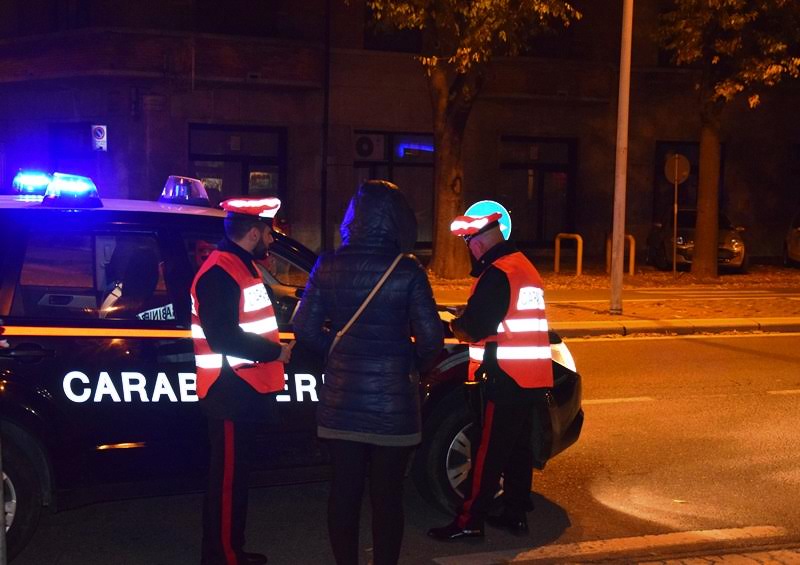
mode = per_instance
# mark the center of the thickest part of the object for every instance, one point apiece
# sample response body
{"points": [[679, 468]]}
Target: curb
{"points": [[678, 327]]}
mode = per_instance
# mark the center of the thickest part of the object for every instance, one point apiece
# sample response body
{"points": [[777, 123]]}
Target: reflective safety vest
{"points": [[523, 345], [256, 315]]}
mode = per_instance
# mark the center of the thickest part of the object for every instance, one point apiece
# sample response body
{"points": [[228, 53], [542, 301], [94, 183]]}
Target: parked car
{"points": [[732, 248], [97, 396], [791, 246]]}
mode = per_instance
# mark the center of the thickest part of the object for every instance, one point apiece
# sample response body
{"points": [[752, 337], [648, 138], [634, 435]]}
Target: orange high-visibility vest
{"points": [[523, 345], [256, 315]]}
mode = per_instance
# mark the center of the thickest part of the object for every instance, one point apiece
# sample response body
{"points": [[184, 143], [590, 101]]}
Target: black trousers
{"points": [[385, 466], [225, 504], [504, 449]]}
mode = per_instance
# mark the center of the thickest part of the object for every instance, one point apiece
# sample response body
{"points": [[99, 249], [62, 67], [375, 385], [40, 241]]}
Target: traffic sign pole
{"points": [[676, 169], [675, 224]]}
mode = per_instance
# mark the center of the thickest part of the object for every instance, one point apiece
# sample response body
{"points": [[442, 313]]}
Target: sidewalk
{"points": [[737, 307]]}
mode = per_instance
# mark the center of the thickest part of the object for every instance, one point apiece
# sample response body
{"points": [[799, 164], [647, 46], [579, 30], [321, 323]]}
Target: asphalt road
{"points": [[682, 434]]}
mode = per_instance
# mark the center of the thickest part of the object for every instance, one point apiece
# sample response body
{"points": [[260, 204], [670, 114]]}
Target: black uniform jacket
{"points": [[486, 308]]}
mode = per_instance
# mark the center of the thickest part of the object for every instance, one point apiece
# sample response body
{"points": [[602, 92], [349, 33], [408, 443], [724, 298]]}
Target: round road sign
{"points": [[486, 207], [676, 168]]}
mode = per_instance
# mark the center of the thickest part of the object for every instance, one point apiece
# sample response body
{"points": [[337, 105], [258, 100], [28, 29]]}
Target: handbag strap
{"points": [[364, 304]]}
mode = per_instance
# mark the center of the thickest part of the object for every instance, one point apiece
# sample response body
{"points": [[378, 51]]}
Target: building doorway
{"points": [[537, 185]]}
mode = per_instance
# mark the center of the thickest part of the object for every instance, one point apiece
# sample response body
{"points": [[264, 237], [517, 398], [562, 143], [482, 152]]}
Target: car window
{"points": [[688, 219], [279, 269], [56, 279], [284, 271], [91, 275], [130, 275]]}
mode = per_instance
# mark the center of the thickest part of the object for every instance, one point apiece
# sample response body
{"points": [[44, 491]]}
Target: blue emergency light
{"points": [[185, 190], [71, 191], [31, 182]]}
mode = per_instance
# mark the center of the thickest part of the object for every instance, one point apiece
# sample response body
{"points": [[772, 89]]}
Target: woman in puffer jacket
{"points": [[369, 409]]}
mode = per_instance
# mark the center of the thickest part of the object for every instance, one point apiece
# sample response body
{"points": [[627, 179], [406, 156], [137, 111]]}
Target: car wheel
{"points": [[745, 266], [443, 461], [787, 261], [22, 497]]}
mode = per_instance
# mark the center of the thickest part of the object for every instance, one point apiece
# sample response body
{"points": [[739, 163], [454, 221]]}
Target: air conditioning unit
{"points": [[369, 147]]}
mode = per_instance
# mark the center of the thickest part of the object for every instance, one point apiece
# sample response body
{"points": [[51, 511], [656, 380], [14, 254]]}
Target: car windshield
{"points": [[688, 219]]}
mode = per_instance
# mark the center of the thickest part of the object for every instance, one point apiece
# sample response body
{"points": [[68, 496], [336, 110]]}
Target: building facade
{"points": [[241, 94]]}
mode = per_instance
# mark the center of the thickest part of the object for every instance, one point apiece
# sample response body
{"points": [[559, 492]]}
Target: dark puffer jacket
{"points": [[368, 394]]}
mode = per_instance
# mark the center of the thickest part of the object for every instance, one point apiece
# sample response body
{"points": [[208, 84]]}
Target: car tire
{"points": [[745, 266], [442, 463], [22, 497], [787, 261]]}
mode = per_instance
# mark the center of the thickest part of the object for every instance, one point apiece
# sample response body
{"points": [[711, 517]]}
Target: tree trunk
{"points": [[452, 103], [706, 235]]}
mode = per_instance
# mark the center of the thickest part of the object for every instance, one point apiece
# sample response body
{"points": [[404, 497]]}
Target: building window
{"points": [[537, 186], [238, 160], [405, 159]]}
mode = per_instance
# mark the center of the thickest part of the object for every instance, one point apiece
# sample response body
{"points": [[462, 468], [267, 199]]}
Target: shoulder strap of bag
{"points": [[367, 300]]}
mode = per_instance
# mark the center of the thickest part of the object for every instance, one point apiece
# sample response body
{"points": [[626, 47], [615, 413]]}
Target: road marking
{"points": [[615, 546], [670, 299], [619, 400], [774, 556], [715, 291], [635, 337], [796, 391]]}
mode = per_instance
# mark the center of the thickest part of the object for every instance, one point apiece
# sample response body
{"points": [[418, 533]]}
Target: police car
{"points": [[97, 383]]}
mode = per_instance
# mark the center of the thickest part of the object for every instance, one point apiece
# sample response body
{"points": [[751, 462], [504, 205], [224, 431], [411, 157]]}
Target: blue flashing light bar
{"points": [[184, 190], [31, 182], [403, 147], [72, 191]]}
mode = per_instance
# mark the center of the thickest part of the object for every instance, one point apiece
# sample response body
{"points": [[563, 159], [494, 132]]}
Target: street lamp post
{"points": [[620, 173]]}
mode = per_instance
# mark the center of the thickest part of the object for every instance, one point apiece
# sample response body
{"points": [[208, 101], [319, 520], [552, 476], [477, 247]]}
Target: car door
{"points": [[122, 410]]}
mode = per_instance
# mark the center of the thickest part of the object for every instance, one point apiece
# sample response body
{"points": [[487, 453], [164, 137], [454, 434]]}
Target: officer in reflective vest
{"points": [[505, 326], [240, 363]]}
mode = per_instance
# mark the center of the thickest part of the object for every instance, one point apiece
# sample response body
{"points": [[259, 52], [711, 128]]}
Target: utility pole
{"points": [[326, 95], [621, 170]]}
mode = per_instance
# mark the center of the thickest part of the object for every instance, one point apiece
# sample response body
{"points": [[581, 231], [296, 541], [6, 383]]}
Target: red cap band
{"points": [[260, 207], [469, 225]]}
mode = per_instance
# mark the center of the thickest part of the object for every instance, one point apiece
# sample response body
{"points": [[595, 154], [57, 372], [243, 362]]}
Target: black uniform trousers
{"points": [[504, 449], [225, 504]]}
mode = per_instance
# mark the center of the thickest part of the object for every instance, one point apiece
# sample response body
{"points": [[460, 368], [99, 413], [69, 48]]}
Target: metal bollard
{"points": [[631, 253], [579, 252]]}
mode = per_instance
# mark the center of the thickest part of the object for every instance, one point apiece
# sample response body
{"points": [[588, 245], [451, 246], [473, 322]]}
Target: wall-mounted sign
{"points": [[99, 138]]}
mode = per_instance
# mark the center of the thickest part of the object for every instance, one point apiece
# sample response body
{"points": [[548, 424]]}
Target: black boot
{"points": [[453, 531], [514, 523]]}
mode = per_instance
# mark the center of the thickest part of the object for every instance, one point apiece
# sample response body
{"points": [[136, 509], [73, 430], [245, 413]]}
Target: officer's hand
{"points": [[286, 351]]}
